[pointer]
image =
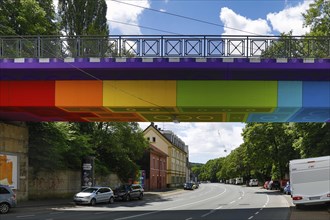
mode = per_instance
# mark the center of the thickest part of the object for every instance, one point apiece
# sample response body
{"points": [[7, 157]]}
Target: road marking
{"points": [[150, 213], [25, 216], [251, 217], [256, 213], [210, 212], [188, 218], [240, 198], [232, 202]]}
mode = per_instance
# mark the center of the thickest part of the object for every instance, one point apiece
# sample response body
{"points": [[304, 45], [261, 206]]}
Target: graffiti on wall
{"points": [[8, 170]]}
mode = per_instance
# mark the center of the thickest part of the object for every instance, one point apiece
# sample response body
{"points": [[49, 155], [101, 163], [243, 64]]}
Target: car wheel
{"points": [[111, 200], [4, 208], [141, 196], [93, 202]]}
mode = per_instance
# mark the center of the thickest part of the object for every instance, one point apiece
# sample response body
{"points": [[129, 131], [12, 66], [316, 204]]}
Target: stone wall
{"points": [[14, 142], [58, 184], [62, 184]]}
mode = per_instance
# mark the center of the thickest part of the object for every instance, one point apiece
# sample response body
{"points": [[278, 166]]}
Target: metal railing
{"points": [[156, 46]]}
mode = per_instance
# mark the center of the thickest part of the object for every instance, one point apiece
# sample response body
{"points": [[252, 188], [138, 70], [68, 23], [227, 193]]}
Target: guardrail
{"points": [[157, 46]]}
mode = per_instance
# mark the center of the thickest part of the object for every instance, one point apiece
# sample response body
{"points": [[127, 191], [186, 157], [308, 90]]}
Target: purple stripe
{"points": [[161, 68]]}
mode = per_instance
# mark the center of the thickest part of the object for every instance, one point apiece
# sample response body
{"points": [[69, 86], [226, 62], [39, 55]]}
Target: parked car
{"points": [[287, 189], [283, 183], [126, 192], [189, 185], [265, 186], [7, 199], [196, 185], [274, 185], [93, 195], [253, 182]]}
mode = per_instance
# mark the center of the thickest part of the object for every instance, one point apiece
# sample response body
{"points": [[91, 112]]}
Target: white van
{"points": [[310, 180], [239, 181]]}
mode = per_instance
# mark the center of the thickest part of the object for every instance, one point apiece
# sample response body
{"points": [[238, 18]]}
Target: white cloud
{"points": [[206, 140], [289, 19], [125, 14], [234, 22]]}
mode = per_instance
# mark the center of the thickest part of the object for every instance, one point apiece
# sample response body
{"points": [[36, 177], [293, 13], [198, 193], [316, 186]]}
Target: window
{"points": [[3, 191], [148, 138], [153, 139]]}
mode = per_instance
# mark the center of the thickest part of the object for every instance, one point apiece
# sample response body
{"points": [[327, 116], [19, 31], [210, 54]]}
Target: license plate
{"points": [[314, 198]]}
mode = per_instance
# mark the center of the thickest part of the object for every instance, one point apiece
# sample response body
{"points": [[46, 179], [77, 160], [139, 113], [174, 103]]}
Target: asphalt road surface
{"points": [[211, 201]]}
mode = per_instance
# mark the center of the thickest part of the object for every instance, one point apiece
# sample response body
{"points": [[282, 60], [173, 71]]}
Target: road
{"points": [[209, 202]]}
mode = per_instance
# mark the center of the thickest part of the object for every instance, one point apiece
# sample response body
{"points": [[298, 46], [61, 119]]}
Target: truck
{"points": [[310, 181]]}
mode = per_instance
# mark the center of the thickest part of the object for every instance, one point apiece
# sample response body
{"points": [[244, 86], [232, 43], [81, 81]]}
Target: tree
{"points": [[317, 17], [87, 20], [16, 17], [311, 139], [315, 44], [270, 148], [83, 17], [57, 145], [118, 147]]}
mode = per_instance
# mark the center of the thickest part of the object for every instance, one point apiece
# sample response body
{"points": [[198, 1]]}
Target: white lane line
{"points": [[256, 213], [149, 213], [251, 217], [267, 200], [210, 212], [232, 202], [24, 216], [188, 218], [239, 198]]}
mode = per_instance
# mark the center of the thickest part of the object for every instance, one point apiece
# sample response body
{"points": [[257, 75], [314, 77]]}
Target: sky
{"points": [[161, 17], [206, 17], [215, 17], [205, 141]]}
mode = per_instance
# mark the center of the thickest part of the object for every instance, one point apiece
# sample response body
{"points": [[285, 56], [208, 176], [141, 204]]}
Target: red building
{"points": [[154, 163]]}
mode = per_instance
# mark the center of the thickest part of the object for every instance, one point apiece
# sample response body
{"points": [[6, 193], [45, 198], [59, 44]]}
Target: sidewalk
{"points": [[69, 201]]}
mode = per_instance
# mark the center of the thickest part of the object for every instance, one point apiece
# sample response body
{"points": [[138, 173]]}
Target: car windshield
{"points": [[90, 190]]}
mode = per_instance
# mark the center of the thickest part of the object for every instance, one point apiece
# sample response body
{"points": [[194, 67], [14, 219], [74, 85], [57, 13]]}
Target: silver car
{"points": [[7, 199], [93, 195]]}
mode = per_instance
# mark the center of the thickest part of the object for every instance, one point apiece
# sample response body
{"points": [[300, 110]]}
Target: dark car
{"points": [[126, 192], [7, 199], [274, 185], [189, 186]]}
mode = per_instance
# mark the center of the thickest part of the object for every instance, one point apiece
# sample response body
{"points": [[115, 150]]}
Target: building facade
{"points": [[177, 151], [158, 167]]}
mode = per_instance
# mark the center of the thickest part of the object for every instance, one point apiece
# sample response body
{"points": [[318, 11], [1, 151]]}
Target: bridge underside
{"points": [[165, 90]]}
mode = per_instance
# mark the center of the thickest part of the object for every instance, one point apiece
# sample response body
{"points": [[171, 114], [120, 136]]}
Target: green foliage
{"points": [[317, 17], [311, 139], [59, 145], [315, 44], [267, 150], [16, 17], [83, 17], [118, 146]]}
